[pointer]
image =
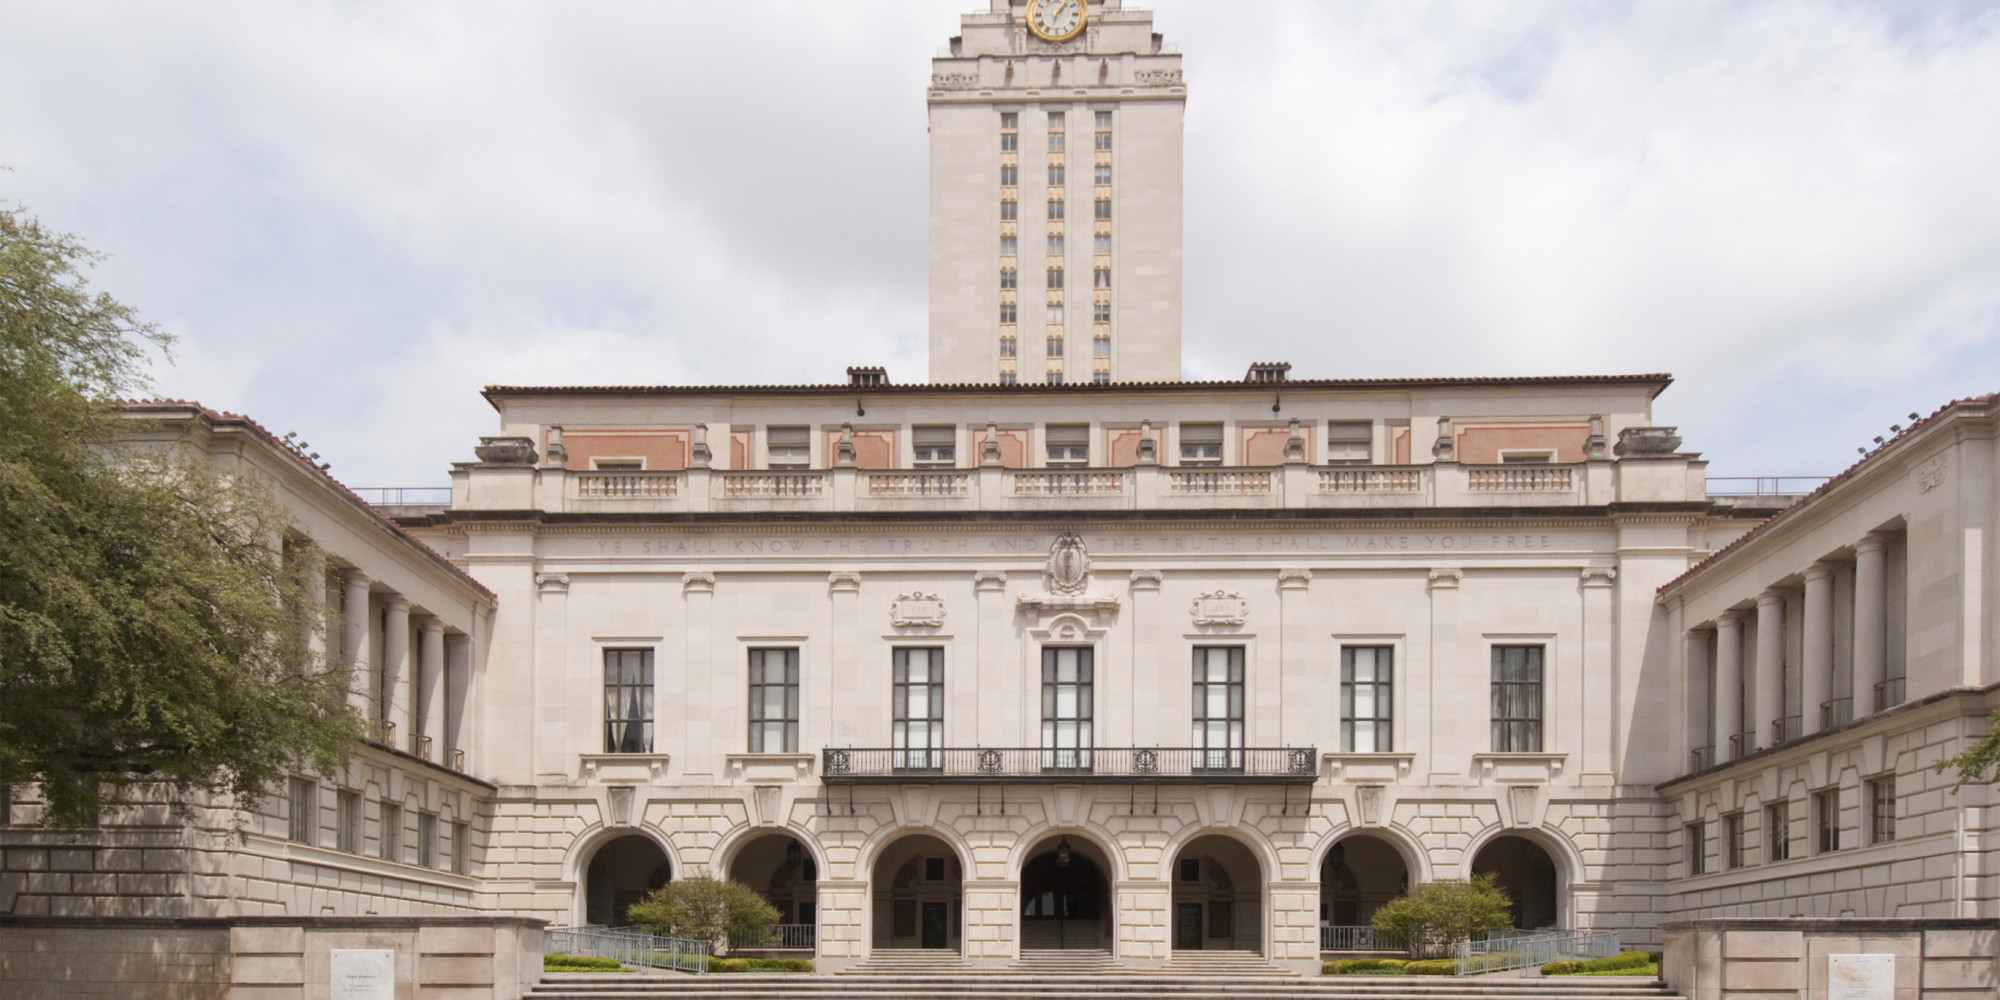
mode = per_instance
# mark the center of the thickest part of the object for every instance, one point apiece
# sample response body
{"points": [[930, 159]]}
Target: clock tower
{"points": [[1055, 197]]}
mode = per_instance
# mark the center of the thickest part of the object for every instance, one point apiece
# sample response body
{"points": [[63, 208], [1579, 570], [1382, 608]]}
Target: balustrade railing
{"points": [[1889, 693], [630, 946], [458, 760], [1068, 484], [1117, 764], [919, 484], [1349, 938], [1208, 482], [1371, 480], [627, 485], [424, 746], [1741, 745], [1790, 727], [1520, 479], [1701, 757], [791, 936], [749, 485], [1837, 712]]}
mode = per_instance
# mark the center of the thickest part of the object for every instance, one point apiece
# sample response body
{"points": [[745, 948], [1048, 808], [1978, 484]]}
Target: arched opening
{"points": [[918, 890], [1066, 896], [782, 871], [1218, 896], [621, 873], [1528, 875], [1359, 876]]}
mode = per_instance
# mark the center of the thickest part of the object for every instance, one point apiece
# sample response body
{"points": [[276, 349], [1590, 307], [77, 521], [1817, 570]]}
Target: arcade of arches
{"points": [[917, 895], [1527, 873], [1066, 896], [783, 871], [1359, 874], [1218, 896], [621, 873]]}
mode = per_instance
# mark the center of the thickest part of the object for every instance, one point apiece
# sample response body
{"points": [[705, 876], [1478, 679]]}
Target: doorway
{"points": [[934, 925], [1187, 926]]}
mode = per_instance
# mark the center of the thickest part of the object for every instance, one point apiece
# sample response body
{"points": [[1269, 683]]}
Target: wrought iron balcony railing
{"points": [[1109, 765]]}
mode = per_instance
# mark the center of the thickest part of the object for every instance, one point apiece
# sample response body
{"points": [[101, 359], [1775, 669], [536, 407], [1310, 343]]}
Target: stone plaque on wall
{"points": [[363, 974], [1861, 977]]}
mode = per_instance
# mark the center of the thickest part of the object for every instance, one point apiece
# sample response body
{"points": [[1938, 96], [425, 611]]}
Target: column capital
{"points": [[397, 604], [1598, 576], [431, 623], [1731, 619], [1871, 543], [1147, 579], [989, 579], [552, 583], [698, 583], [1446, 578], [1770, 598], [1294, 578], [842, 581], [354, 578], [1818, 572]]}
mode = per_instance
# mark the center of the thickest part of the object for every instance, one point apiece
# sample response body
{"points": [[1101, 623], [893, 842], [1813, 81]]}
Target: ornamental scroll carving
{"points": [[1069, 565], [954, 81], [1220, 608], [916, 610], [1157, 78], [1930, 474]]}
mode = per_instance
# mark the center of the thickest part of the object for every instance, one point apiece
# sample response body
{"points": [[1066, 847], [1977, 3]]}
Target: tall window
{"points": [[1102, 174], [917, 734], [628, 701], [790, 447], [461, 848], [391, 844], [1517, 699], [1218, 706], [1010, 211], [1008, 311], [1778, 831], [1055, 210], [305, 810], [1101, 210], [1008, 278], [1732, 841], [1010, 176], [1365, 715], [1696, 834], [1055, 273], [1201, 444], [1826, 820], [427, 836], [1056, 175], [1882, 810], [1066, 707], [347, 821], [774, 700], [1068, 444]]}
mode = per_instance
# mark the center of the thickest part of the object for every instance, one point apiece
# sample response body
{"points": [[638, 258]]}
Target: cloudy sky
{"points": [[354, 214]]}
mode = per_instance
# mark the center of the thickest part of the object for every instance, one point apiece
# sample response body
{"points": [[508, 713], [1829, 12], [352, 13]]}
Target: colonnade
{"points": [[1749, 714], [422, 714]]}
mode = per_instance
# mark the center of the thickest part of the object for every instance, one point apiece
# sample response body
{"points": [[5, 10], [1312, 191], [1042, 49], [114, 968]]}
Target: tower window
{"points": [[1008, 278], [1056, 175], [1056, 243], [1100, 378], [1009, 246], [1056, 209], [1104, 140], [1055, 314], [1101, 243], [1103, 173], [1056, 120], [1055, 277], [1101, 347], [1007, 347], [1101, 278], [1100, 312], [1010, 176], [1010, 141], [1104, 119], [1010, 120], [1055, 347], [1008, 311], [1010, 211], [1103, 210]]}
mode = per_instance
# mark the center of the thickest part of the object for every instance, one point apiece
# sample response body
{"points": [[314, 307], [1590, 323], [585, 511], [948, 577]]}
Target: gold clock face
{"points": [[1056, 20]]}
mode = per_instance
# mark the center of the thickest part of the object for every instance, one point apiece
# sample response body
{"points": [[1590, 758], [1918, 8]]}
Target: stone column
{"points": [[1816, 659], [1697, 696], [395, 708], [845, 922], [1728, 684], [1301, 699], [994, 669], [1871, 622], [457, 698], [430, 686], [1599, 668], [1770, 668], [551, 659], [356, 619], [1428, 698], [849, 729], [1291, 934]]}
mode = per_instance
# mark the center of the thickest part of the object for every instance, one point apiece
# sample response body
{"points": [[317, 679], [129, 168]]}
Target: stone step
{"points": [[1010, 984]]}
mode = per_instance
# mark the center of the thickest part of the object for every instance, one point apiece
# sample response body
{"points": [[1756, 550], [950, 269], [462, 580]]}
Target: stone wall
{"points": [[1934, 959], [258, 958]]}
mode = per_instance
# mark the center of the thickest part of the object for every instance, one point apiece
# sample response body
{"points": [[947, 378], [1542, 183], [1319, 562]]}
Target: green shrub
{"points": [[1437, 915], [700, 908], [1648, 969], [1564, 967], [1432, 967], [580, 963], [1363, 967], [761, 965], [1625, 963]]}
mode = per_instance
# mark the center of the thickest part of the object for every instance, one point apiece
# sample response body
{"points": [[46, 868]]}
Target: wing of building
{"points": [[1058, 651]]}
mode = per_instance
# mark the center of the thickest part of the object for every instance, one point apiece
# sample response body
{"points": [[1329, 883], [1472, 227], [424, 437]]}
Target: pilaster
{"points": [[1729, 686], [430, 686], [1429, 692], [844, 604], [1816, 661], [551, 666], [1145, 650], [1302, 699], [1599, 672], [1770, 668], [1871, 622], [397, 725]]}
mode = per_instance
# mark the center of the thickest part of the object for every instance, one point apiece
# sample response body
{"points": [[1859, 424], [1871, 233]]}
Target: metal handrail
{"points": [[1889, 693], [403, 496], [1703, 757], [1790, 727], [1344, 937], [631, 946], [1766, 486], [1836, 712], [790, 936], [1504, 950], [1124, 765]]}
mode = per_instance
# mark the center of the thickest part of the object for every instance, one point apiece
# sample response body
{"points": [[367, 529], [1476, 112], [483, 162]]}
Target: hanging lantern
{"points": [[1062, 853]]}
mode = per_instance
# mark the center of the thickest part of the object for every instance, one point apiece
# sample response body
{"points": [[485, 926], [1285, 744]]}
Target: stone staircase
{"points": [[1206, 979], [1065, 962], [1230, 964]]}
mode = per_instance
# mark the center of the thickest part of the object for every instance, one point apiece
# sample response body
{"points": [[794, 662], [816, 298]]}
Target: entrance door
{"points": [[934, 916], [1187, 926]]}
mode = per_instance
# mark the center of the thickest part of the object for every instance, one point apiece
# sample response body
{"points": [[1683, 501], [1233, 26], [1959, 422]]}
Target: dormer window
{"points": [[1068, 445], [1201, 444], [935, 447], [1349, 442], [788, 447]]}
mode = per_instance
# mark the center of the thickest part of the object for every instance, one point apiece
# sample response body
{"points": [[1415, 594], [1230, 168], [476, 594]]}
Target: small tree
{"points": [[701, 908], [1437, 915], [1978, 761]]}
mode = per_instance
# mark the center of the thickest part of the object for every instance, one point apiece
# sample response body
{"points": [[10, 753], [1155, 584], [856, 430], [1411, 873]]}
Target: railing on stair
{"points": [[1505, 950], [792, 936], [631, 946]]}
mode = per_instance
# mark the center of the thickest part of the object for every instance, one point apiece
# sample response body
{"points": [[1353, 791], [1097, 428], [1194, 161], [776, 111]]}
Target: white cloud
{"points": [[357, 213]]}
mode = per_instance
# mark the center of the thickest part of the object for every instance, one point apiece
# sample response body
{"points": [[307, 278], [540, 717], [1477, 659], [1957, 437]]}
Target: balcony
{"points": [[1097, 765]]}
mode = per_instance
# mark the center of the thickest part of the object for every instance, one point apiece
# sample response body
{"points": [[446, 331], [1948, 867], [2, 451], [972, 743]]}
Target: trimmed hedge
{"points": [[761, 965], [1432, 967], [1625, 963], [580, 963], [1364, 967]]}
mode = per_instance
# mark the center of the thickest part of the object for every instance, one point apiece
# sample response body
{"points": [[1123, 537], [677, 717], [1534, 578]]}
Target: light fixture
{"points": [[1062, 853], [858, 411]]}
